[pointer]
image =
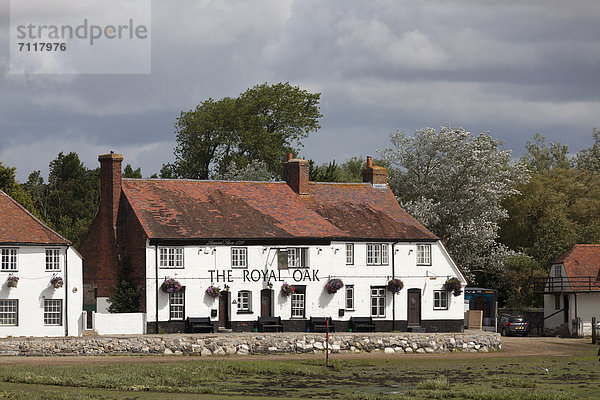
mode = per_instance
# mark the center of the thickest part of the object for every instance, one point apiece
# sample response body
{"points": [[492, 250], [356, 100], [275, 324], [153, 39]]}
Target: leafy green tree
{"points": [[514, 284], [129, 172], [454, 183], [541, 156], [589, 159], [254, 171], [126, 295], [264, 123], [11, 187]]}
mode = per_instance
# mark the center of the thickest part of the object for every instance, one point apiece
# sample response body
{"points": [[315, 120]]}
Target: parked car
{"points": [[513, 325]]}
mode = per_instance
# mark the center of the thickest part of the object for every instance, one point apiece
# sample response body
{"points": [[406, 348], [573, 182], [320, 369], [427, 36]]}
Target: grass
{"points": [[490, 378]]}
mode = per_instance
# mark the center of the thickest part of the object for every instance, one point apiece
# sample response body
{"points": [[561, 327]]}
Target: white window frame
{"points": [[9, 312], [378, 254], [239, 257], [170, 257], [349, 253], [557, 271], [177, 306], [53, 259], [424, 254], [298, 303], [53, 312], [350, 297], [378, 300], [244, 301], [297, 258], [9, 259], [440, 300]]}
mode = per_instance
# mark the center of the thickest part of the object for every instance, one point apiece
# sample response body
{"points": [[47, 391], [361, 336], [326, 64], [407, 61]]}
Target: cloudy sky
{"points": [[511, 67]]}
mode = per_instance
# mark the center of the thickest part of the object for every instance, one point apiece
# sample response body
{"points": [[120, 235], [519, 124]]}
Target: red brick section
{"points": [[19, 226], [296, 175], [98, 248], [373, 174], [581, 260]]}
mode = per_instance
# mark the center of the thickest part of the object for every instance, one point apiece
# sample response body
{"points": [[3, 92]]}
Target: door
{"points": [[224, 309], [265, 302], [566, 308], [414, 306]]}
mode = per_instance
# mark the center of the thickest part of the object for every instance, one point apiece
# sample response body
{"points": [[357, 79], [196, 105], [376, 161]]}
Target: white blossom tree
{"points": [[454, 184], [255, 170]]}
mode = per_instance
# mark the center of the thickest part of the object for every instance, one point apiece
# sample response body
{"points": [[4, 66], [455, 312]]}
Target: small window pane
{"points": [[349, 253], [171, 257], [239, 257], [424, 254], [9, 310], [243, 301], [9, 259], [298, 303], [52, 259], [440, 300], [176, 303], [349, 297], [378, 302]]}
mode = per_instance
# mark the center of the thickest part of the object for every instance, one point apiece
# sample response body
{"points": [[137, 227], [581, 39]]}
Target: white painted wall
{"points": [[119, 323], [327, 261], [588, 306], [34, 286]]}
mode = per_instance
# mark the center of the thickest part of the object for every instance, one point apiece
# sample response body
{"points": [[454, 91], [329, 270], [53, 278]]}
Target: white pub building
{"points": [[233, 251]]}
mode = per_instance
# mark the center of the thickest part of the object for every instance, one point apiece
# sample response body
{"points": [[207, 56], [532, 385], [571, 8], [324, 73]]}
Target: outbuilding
{"points": [[40, 274], [233, 251]]}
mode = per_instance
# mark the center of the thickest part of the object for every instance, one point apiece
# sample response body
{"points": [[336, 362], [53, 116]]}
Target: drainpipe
{"points": [[393, 295], [156, 284], [66, 292], [576, 320]]}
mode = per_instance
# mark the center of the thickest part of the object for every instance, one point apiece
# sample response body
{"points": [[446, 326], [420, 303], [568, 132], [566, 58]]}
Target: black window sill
{"points": [[245, 312]]}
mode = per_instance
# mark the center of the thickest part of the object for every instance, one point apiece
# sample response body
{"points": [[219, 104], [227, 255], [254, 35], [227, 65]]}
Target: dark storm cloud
{"points": [[514, 68]]}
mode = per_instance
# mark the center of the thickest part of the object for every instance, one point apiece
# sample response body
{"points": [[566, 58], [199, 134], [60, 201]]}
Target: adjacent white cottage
{"points": [[226, 251], [572, 291], [40, 277]]}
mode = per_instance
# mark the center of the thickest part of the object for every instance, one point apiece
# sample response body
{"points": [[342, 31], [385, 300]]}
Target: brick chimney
{"points": [[110, 185], [296, 174], [373, 174]]}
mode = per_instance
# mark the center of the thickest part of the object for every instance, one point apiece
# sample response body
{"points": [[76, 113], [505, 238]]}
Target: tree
{"points": [[11, 187], [264, 123], [126, 295], [541, 156], [254, 171], [129, 172], [589, 159], [454, 184]]}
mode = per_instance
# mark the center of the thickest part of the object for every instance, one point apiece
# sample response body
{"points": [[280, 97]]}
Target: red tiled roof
{"points": [[19, 226], [581, 260], [188, 209]]}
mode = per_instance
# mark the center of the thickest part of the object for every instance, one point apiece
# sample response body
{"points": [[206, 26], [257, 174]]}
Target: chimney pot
{"points": [[290, 156], [373, 174], [369, 161]]}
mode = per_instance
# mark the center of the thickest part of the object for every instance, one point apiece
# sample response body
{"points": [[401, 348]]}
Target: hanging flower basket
{"points": [[213, 291], [453, 285], [333, 285], [57, 282], [395, 285], [287, 289], [12, 281], [171, 285]]}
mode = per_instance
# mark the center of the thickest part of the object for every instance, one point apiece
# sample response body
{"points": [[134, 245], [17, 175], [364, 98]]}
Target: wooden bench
{"points": [[362, 324], [200, 324], [268, 324], [319, 324]]}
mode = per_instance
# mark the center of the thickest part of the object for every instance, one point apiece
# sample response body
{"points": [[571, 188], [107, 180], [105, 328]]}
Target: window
{"points": [[170, 257], [423, 254], [9, 312], [52, 312], [9, 259], [176, 303], [378, 302], [349, 253], [244, 301], [377, 254], [239, 257], [440, 300], [557, 271], [296, 257], [557, 301], [298, 302], [349, 297], [52, 259]]}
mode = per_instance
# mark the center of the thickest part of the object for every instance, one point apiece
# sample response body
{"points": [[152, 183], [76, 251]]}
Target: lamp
{"points": [[227, 287], [270, 285]]}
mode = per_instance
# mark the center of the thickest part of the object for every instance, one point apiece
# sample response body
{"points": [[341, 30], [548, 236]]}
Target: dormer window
{"points": [[423, 254]]}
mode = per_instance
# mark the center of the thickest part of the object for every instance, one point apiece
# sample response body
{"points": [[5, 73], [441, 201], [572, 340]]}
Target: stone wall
{"points": [[254, 343]]}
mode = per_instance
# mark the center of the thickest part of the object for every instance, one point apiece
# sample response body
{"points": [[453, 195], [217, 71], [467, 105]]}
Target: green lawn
{"points": [[396, 378]]}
